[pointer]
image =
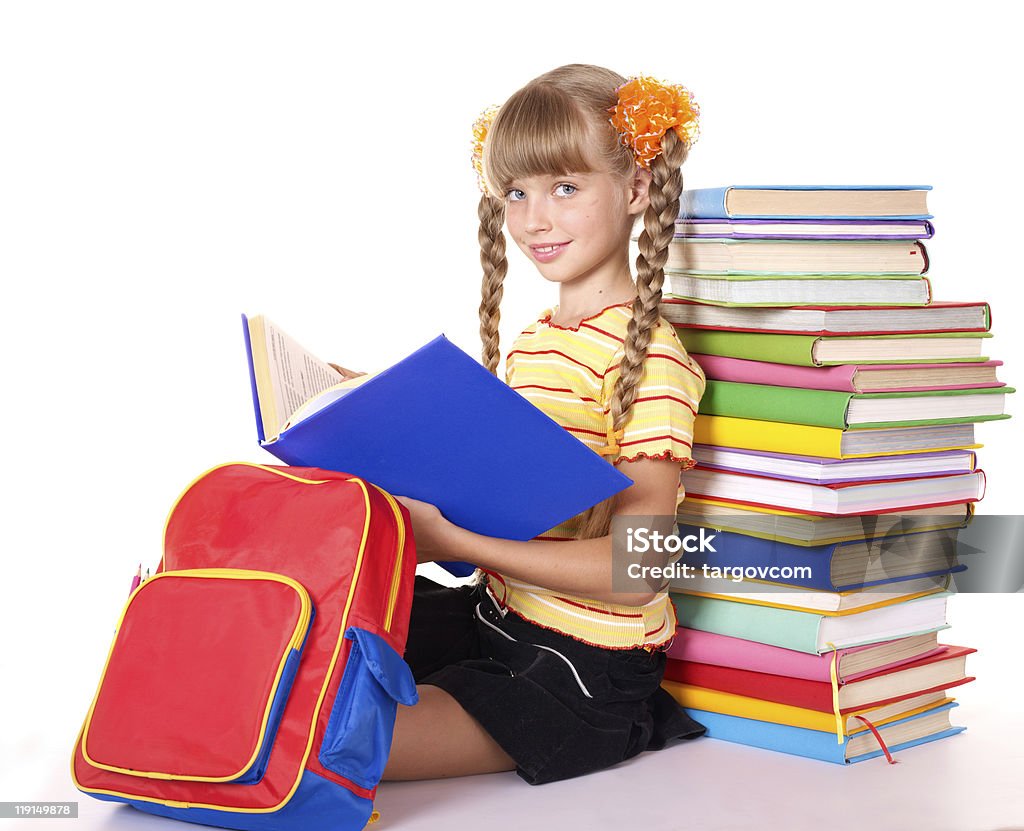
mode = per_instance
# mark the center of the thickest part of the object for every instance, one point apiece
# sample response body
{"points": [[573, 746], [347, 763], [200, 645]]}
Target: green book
{"points": [[811, 632], [815, 350], [848, 410]]}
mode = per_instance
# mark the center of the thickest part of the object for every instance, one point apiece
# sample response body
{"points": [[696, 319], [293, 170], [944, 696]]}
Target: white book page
{"points": [[296, 375], [329, 396]]}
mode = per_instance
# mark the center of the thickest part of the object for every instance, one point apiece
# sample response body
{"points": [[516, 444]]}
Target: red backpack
{"points": [[253, 681]]}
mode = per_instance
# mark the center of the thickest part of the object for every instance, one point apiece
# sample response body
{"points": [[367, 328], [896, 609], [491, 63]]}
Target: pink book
{"points": [[852, 377], [723, 650]]}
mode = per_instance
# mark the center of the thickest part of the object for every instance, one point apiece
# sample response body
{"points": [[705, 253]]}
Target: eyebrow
{"points": [[552, 176]]}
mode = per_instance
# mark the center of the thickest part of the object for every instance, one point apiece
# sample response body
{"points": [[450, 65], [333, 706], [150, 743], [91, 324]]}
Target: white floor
{"points": [[973, 781]]}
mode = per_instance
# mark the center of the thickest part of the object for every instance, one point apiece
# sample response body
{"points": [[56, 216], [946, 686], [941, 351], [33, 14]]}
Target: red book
{"points": [[939, 671]]}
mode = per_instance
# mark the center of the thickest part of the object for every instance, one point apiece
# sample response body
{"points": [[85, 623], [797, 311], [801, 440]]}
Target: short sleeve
{"points": [[660, 421]]}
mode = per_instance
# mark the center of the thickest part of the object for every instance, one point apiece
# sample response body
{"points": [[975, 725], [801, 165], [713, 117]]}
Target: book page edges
{"points": [[265, 396]]}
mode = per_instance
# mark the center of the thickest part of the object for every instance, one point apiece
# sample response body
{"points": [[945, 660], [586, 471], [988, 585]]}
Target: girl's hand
{"points": [[429, 527], [346, 373]]}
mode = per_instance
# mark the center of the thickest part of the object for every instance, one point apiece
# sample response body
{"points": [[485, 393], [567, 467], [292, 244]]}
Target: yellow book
{"points": [[716, 701], [829, 442]]}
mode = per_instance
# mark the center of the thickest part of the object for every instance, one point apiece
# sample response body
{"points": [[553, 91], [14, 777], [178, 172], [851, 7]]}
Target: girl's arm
{"points": [[583, 567]]}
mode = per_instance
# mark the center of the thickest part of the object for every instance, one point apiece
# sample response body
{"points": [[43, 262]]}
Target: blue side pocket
{"points": [[291, 667], [357, 741]]}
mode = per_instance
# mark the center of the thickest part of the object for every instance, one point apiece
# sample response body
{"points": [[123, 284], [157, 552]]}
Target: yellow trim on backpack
{"points": [[397, 573], [298, 635], [267, 468], [323, 691]]}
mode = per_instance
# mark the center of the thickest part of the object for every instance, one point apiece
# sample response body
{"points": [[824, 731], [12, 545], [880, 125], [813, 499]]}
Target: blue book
{"points": [[892, 559], [806, 202], [927, 726], [436, 426]]}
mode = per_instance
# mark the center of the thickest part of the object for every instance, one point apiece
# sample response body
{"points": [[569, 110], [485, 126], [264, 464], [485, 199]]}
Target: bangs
{"points": [[539, 131]]}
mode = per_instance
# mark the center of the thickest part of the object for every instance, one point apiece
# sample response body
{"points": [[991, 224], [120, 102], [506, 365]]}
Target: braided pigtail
{"points": [[492, 259], [659, 229]]}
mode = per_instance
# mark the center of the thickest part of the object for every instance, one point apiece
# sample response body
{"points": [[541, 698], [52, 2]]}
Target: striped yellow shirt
{"points": [[570, 374]]}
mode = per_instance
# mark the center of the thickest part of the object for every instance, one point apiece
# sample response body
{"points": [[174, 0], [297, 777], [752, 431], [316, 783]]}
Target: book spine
{"points": [[782, 689], [703, 203], [791, 405], [709, 648], [252, 379], [795, 350], [773, 436], [763, 624], [796, 741], [751, 229], [743, 371]]}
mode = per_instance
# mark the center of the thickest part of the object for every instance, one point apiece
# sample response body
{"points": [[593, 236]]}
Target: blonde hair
{"points": [[558, 123]]}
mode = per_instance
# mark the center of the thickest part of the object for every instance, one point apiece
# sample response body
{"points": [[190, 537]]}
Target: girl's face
{"points": [[576, 226]]}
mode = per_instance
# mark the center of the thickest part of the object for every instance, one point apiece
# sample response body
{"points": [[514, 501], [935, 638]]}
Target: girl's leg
{"points": [[436, 738]]}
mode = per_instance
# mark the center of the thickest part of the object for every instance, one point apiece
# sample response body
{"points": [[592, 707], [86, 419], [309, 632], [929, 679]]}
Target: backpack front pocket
{"points": [[198, 676]]}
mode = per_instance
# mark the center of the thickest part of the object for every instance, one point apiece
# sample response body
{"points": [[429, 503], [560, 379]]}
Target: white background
{"points": [[165, 167]]}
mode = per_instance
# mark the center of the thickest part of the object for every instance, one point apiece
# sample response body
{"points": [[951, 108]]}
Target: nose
{"points": [[537, 215]]}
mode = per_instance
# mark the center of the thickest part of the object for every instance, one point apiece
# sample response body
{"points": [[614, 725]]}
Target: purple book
{"points": [[821, 471], [805, 228]]}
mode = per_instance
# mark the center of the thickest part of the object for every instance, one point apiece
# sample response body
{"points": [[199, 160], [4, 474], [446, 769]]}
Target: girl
{"points": [[538, 665]]}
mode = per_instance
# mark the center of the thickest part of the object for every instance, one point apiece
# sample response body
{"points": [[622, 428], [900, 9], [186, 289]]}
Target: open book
{"points": [[289, 383], [436, 426]]}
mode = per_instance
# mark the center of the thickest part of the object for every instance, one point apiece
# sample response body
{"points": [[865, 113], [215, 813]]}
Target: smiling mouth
{"points": [[546, 253]]}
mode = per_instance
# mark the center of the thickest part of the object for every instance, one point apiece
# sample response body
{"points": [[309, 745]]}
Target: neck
{"points": [[577, 301]]}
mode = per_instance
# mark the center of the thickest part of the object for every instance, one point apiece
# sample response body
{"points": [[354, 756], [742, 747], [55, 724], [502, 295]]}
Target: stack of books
{"points": [[835, 464]]}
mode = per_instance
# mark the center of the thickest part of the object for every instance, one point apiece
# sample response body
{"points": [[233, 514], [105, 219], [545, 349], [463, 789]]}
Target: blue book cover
{"points": [[801, 741], [710, 203], [741, 550], [438, 427]]}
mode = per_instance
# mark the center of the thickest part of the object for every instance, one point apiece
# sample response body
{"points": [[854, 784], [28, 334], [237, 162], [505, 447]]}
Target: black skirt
{"points": [[558, 706]]}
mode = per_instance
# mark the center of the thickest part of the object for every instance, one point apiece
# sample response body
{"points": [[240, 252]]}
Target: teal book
{"points": [[811, 632]]}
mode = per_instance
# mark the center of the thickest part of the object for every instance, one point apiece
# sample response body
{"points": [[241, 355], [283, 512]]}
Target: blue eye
{"points": [[567, 185], [512, 198]]}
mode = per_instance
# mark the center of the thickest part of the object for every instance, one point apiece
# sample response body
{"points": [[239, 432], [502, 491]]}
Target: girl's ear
{"points": [[639, 196]]}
